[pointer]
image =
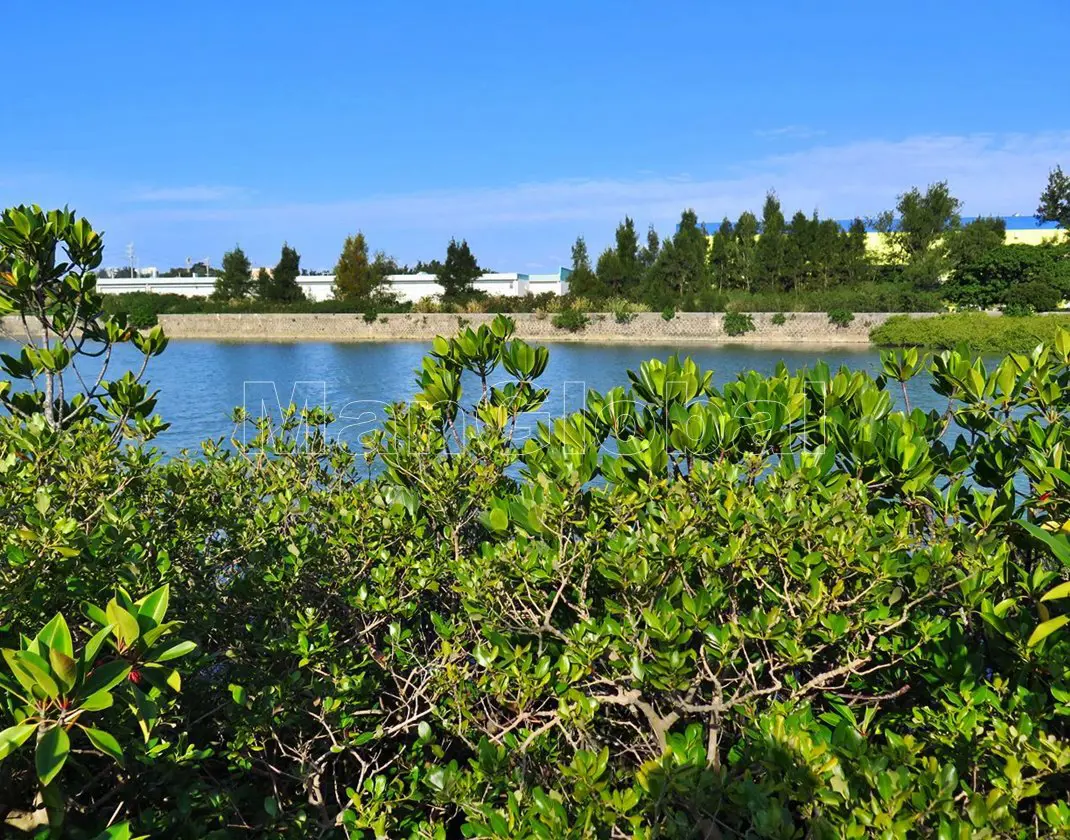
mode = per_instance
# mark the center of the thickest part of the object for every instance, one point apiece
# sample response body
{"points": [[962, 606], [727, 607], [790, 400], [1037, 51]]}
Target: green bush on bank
{"points": [[738, 323], [978, 331], [777, 607]]}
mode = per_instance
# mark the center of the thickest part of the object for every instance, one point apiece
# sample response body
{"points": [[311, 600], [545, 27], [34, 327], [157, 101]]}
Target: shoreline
{"points": [[811, 329], [808, 329]]}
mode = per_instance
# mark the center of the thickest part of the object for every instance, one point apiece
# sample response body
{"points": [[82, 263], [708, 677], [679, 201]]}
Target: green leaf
{"points": [[106, 743], [24, 677], [1059, 545], [95, 613], [57, 635], [106, 676], [92, 647], [14, 737], [498, 519], [1060, 591], [1046, 628], [124, 621], [154, 605], [39, 670], [175, 651], [121, 831], [52, 750], [63, 667], [97, 702]]}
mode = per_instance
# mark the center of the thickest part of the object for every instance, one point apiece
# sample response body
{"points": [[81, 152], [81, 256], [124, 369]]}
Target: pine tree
{"points": [[354, 278], [282, 286], [649, 254], [746, 248], [771, 245], [263, 284], [235, 282], [459, 271], [582, 281], [830, 246], [692, 251], [619, 270], [859, 267], [721, 253], [799, 254], [1055, 200]]}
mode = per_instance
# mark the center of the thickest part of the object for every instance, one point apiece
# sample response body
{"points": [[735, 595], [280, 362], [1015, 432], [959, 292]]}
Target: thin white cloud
{"points": [[991, 173], [789, 132], [192, 194], [994, 174]]}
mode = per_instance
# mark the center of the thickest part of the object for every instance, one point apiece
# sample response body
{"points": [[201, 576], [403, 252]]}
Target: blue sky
{"points": [[188, 127]]}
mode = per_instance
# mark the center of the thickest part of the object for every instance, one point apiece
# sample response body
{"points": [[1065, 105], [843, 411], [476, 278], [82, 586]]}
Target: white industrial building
{"points": [[407, 287], [413, 287]]}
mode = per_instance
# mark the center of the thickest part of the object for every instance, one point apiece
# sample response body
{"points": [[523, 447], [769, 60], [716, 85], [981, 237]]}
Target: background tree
{"points": [[619, 269], [771, 245], [263, 284], [459, 271], [976, 238], [281, 285], [721, 254], [745, 249], [649, 253], [1055, 200], [383, 265], [919, 232], [583, 280], [354, 278], [926, 218], [830, 255], [235, 282], [859, 268], [680, 271]]}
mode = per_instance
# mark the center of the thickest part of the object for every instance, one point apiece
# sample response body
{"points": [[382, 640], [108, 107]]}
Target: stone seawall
{"points": [[645, 327]]}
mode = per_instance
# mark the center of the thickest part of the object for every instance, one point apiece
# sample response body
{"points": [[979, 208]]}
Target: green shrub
{"points": [[690, 609], [977, 331], [142, 309], [1034, 296], [778, 320], [623, 316], [570, 319], [840, 318], [668, 313], [371, 316], [738, 323]]}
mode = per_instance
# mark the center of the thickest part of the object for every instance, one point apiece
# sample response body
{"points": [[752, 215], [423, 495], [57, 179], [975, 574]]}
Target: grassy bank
{"points": [[978, 331]]}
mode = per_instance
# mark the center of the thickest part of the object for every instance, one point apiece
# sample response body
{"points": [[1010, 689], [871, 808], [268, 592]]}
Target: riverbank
{"points": [[812, 328]]}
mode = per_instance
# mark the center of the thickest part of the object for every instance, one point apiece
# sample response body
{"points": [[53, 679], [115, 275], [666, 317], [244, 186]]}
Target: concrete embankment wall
{"points": [[645, 327], [802, 327]]}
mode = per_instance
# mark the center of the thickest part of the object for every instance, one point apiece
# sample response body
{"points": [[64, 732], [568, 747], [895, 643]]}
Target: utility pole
{"points": [[131, 259]]}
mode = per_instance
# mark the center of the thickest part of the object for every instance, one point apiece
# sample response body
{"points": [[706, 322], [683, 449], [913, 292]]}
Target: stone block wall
{"points": [[645, 327]]}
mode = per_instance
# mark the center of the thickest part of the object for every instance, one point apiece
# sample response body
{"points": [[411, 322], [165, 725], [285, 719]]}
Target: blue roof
{"points": [[1012, 222]]}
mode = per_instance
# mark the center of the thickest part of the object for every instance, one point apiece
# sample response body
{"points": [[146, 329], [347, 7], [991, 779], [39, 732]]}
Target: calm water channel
{"points": [[201, 382]]}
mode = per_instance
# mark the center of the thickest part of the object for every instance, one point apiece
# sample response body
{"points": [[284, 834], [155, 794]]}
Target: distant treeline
{"points": [[927, 259]]}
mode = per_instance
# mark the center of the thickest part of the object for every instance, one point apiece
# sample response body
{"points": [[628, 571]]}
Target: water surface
{"points": [[201, 382]]}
